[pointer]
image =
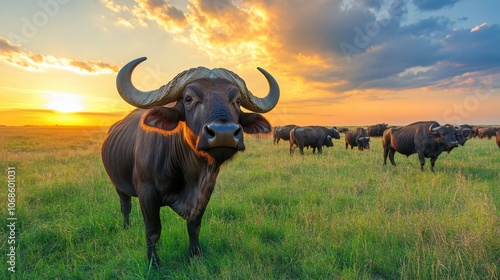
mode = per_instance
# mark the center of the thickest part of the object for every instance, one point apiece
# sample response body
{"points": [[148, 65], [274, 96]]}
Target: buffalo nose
{"points": [[223, 134], [454, 144]]}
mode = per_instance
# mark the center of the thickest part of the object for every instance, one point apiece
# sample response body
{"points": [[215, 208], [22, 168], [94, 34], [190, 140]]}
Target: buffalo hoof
{"points": [[195, 251]]}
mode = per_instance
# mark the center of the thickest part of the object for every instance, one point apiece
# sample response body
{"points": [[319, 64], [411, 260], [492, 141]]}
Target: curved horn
{"points": [[173, 90], [161, 96], [434, 127], [249, 101]]}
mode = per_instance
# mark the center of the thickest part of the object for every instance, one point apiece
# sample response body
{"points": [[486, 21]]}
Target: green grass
{"points": [[340, 215]]}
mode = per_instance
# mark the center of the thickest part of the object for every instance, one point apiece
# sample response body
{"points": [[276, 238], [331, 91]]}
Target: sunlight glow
{"points": [[64, 102]]}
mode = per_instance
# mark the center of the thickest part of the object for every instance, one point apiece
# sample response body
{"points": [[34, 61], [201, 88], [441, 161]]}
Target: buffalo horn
{"points": [[174, 89], [436, 128], [250, 101]]}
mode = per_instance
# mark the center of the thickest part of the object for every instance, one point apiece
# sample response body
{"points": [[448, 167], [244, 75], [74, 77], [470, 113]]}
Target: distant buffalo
{"points": [[428, 139], [498, 138], [462, 133], [307, 136], [474, 131], [332, 132], [376, 129], [343, 129], [487, 132], [282, 132], [357, 137]]}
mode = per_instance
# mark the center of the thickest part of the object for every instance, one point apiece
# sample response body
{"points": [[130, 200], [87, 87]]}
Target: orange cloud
{"points": [[38, 62]]}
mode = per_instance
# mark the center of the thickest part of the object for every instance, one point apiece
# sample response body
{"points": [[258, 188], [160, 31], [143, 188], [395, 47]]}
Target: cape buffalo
{"points": [[487, 132], [308, 136], [172, 156], [357, 137], [332, 132], [376, 129], [462, 133], [428, 139], [282, 132], [343, 129]]}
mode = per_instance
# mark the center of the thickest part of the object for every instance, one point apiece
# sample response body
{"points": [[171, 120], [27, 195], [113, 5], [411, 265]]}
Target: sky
{"points": [[337, 62]]}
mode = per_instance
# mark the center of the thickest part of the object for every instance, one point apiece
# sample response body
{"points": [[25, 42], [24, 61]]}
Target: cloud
{"points": [[331, 46], [38, 62]]}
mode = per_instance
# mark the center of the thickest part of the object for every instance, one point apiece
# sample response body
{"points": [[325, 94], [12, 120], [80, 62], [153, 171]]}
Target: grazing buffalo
{"points": [[357, 137], [308, 136], [462, 133], [282, 132], [332, 132], [498, 138], [172, 156], [376, 129], [427, 139], [343, 129], [487, 132], [474, 131]]}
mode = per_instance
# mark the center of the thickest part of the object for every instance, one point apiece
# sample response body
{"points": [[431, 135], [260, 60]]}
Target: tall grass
{"points": [[339, 215]]}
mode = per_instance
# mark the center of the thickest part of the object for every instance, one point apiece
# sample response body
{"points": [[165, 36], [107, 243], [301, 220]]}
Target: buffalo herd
{"points": [[427, 139]]}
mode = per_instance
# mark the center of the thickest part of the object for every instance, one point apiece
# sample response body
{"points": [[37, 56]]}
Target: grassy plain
{"points": [[339, 215]]}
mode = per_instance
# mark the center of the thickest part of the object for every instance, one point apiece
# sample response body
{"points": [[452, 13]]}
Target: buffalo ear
{"points": [[253, 123], [161, 119]]}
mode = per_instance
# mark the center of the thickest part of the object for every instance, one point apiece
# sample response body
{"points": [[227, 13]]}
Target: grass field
{"points": [[340, 215]]}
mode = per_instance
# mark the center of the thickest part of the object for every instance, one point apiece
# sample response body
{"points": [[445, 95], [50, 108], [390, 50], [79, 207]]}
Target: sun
{"points": [[64, 102]]}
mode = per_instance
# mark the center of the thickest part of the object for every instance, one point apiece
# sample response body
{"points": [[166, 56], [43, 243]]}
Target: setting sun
{"points": [[64, 103]]}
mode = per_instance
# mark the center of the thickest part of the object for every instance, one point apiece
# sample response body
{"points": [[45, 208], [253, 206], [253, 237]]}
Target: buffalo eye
{"points": [[238, 101], [188, 99]]}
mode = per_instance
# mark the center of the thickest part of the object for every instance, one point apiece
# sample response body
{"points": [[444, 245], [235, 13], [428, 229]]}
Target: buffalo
{"points": [[498, 138], [343, 129], [427, 138], [332, 132], [357, 137], [282, 132], [376, 129], [308, 136], [487, 132], [474, 131], [172, 156], [462, 134]]}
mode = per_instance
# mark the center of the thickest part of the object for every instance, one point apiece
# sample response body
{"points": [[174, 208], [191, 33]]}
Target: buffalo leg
{"points": [[125, 206], [386, 152], [421, 158], [193, 221], [433, 161], [193, 227], [150, 207], [391, 156]]}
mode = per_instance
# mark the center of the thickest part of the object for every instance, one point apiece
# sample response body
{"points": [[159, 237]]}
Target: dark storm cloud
{"points": [[474, 50], [375, 48], [323, 26]]}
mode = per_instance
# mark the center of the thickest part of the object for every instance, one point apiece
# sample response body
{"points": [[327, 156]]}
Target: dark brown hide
{"points": [[428, 139], [357, 138], [172, 156]]}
